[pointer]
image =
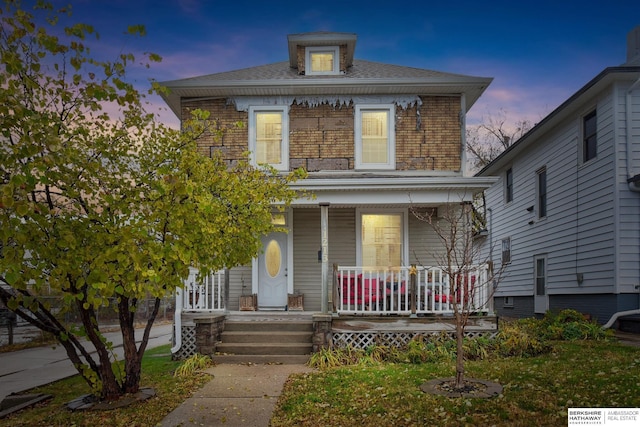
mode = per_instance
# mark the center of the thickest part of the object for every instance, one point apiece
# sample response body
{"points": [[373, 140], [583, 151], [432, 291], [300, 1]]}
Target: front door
{"points": [[272, 272]]}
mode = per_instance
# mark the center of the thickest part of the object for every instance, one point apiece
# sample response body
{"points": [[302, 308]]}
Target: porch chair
{"points": [[347, 288], [369, 292], [399, 292], [465, 286]]}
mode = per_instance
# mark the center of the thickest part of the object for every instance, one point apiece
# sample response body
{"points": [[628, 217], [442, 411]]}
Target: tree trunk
{"points": [[459, 351], [132, 362]]}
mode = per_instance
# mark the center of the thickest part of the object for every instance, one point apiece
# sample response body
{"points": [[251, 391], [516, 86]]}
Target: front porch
{"points": [[385, 306]]}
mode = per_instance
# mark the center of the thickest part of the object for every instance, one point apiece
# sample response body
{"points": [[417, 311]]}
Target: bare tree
{"points": [[495, 134], [459, 258]]}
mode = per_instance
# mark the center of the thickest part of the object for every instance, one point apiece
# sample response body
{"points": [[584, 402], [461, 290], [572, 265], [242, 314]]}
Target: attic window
{"points": [[321, 60]]}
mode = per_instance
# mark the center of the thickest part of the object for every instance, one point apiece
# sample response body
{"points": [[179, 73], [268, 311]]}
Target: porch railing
{"points": [[201, 294], [410, 290]]}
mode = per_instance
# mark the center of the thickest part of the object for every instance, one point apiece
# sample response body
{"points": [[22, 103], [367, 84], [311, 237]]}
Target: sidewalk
{"points": [[25, 369], [237, 395]]}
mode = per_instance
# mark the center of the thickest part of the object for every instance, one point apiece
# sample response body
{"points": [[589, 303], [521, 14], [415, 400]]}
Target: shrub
{"points": [[570, 325], [519, 339], [197, 362]]}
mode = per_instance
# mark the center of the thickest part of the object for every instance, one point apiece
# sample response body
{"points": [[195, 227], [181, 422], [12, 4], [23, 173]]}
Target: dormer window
{"points": [[322, 60]]}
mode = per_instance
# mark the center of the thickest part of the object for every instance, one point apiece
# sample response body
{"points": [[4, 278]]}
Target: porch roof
{"points": [[389, 189]]}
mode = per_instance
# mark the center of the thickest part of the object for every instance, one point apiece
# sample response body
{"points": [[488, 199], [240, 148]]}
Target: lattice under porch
{"points": [[361, 333], [364, 340], [188, 347]]}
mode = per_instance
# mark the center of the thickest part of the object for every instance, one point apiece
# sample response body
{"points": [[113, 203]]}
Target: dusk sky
{"points": [[539, 52]]}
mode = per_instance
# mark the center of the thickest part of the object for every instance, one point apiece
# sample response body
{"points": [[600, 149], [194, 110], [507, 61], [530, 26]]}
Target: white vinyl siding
{"points": [[578, 234], [628, 222], [424, 243], [306, 244]]}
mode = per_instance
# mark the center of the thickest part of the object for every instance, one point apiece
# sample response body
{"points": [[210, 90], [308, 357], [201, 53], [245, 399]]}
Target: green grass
{"points": [[157, 372], [537, 390]]}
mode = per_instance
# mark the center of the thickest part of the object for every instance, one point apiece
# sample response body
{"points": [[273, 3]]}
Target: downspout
{"points": [[633, 186], [177, 322], [463, 134]]}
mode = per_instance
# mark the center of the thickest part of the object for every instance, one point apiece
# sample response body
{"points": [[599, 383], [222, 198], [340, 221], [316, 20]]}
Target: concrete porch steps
{"points": [[261, 340]]}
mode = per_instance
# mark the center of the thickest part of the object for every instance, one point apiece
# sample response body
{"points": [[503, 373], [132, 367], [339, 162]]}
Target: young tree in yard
{"points": [[460, 258], [100, 204]]}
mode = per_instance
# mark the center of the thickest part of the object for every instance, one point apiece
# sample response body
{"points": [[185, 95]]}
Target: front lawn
{"points": [[537, 390], [157, 372]]}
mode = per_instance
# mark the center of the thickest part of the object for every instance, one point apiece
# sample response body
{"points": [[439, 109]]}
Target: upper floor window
{"points": [[322, 60], [375, 137], [541, 190], [508, 185], [269, 136], [589, 136]]}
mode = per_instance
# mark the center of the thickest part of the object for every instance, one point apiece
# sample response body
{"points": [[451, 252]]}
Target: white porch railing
{"points": [[410, 290], [202, 295]]}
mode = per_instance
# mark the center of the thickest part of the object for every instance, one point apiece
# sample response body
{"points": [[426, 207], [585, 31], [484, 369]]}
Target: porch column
{"points": [[324, 244]]}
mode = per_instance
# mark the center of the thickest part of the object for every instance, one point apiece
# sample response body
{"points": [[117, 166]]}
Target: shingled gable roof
{"points": [[362, 78]]}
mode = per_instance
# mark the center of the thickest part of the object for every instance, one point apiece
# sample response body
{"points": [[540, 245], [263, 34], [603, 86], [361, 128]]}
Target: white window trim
{"points": [[391, 147], [335, 50], [540, 302], [405, 231], [284, 109]]}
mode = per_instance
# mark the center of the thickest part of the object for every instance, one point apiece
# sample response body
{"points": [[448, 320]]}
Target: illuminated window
{"points": [[279, 219], [273, 258], [322, 60], [375, 137], [268, 136], [381, 240]]}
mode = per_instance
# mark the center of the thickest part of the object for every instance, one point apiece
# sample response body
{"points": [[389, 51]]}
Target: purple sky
{"points": [[539, 53]]}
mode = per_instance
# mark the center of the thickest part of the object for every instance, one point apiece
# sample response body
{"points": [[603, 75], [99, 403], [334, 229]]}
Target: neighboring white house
{"points": [[564, 216]]}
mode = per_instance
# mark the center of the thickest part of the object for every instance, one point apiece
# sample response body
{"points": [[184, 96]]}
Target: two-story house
{"points": [[376, 139], [564, 216]]}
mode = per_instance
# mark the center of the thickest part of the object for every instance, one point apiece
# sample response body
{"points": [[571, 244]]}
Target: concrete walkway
{"points": [[237, 395]]}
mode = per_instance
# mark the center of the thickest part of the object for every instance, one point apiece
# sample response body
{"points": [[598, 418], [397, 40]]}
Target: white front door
{"points": [[272, 272]]}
